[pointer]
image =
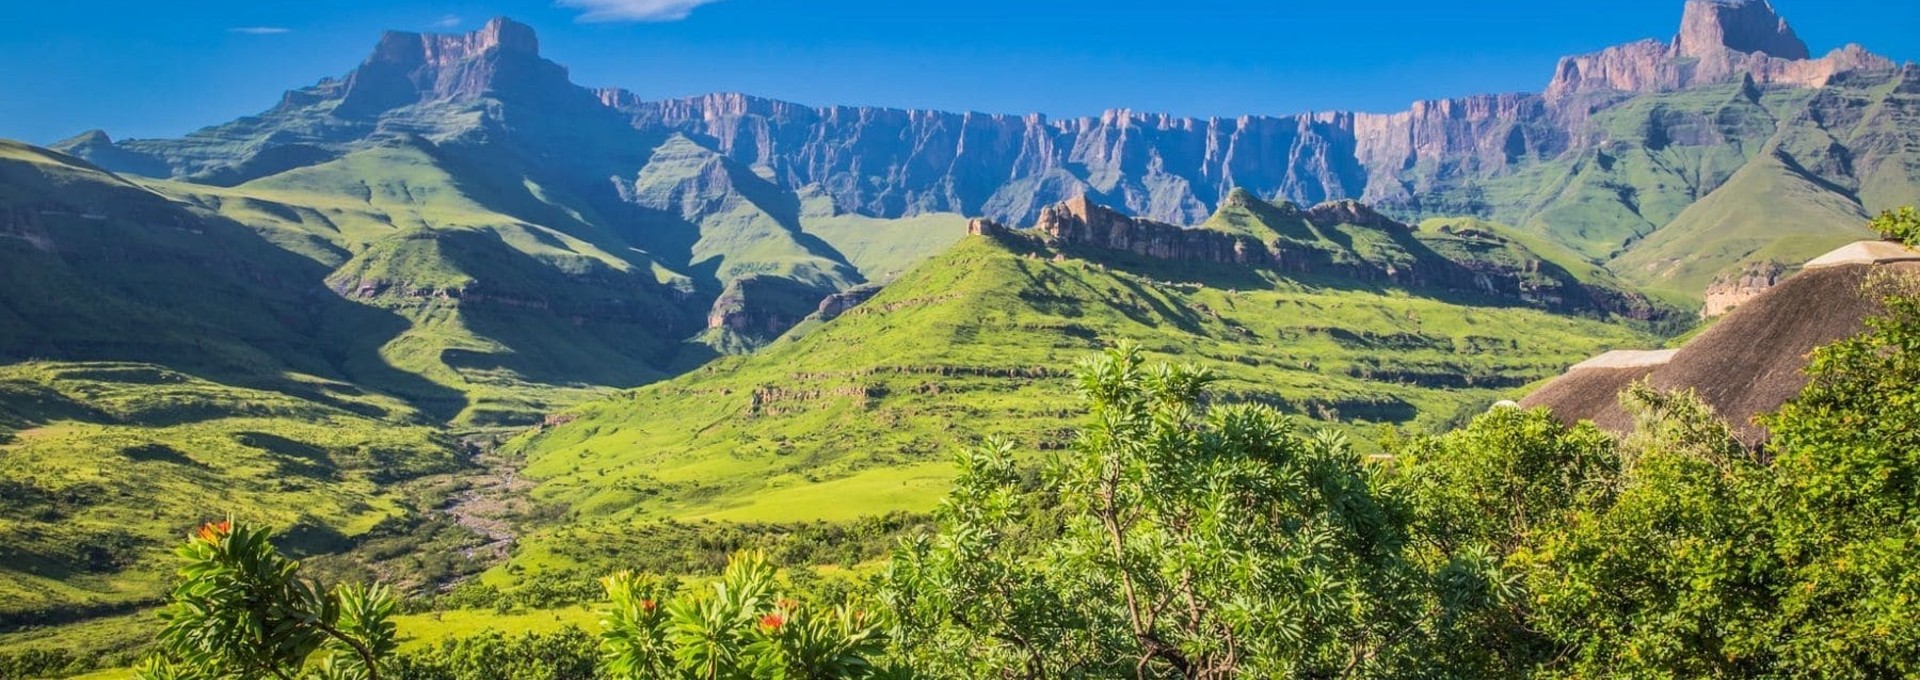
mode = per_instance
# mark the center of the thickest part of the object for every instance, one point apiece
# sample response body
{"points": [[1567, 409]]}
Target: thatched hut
{"points": [[1750, 362]]}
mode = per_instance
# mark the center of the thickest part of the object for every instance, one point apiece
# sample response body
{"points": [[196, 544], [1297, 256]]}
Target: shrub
{"points": [[739, 630], [241, 609], [1901, 226]]}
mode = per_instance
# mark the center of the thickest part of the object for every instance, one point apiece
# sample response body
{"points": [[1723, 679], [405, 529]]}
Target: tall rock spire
{"points": [[1750, 26], [500, 60]]}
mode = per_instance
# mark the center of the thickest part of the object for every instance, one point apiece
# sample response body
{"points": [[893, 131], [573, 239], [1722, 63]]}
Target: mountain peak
{"points": [[501, 60], [440, 49], [1750, 26]]}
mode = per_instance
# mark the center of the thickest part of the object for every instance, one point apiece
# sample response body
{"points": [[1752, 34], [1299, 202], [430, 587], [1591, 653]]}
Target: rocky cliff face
{"points": [[1398, 255], [427, 85], [832, 306], [894, 162], [1461, 156], [760, 308], [1719, 41], [1735, 289], [1162, 167], [1709, 26], [1081, 223], [501, 59]]}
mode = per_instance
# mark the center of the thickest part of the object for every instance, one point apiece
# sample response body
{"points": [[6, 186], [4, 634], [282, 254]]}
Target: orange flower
{"points": [[772, 622], [212, 531], [648, 605]]}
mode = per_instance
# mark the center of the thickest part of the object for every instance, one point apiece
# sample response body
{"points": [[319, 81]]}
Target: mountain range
{"points": [[742, 310], [1621, 145]]}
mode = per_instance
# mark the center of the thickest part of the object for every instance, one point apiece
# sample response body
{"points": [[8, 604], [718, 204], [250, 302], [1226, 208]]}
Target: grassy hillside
{"points": [[106, 464], [1769, 211], [880, 248], [859, 415]]}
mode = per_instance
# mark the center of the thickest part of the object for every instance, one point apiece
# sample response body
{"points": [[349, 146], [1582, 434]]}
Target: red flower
{"points": [[212, 531], [772, 622]]}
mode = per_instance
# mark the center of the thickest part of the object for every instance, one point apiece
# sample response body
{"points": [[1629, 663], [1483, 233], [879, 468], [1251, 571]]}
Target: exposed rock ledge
{"points": [[1732, 290]]}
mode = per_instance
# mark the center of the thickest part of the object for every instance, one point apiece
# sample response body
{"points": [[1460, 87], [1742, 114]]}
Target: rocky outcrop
{"points": [[1449, 261], [500, 60], [1720, 41], [1735, 289], [762, 307], [98, 148], [1335, 213], [1710, 26], [1081, 223], [832, 306]]}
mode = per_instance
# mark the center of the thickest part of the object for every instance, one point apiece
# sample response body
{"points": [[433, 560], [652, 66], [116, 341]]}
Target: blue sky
{"points": [[143, 68]]}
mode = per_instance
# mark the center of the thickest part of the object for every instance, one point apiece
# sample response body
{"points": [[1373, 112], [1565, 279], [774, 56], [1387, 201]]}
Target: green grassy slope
{"points": [[1840, 155], [517, 318], [880, 248], [1641, 162], [859, 415], [105, 465], [1769, 211], [742, 224], [1522, 243], [161, 366]]}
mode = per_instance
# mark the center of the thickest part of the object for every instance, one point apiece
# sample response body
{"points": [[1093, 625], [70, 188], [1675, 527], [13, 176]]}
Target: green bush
{"points": [[739, 630], [1900, 226], [241, 609], [570, 654], [1198, 543]]}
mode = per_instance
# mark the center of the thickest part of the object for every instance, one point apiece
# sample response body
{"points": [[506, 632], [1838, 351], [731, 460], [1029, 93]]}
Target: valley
{"points": [[457, 324]]}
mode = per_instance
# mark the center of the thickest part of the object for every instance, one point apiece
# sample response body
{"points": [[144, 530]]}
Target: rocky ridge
{"points": [[1719, 41], [1542, 162], [896, 162], [1397, 253]]}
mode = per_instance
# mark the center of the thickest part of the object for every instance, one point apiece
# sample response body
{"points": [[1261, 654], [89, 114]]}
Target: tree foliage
{"points": [[569, 654], [1197, 542], [1901, 225], [241, 610], [1666, 570], [1482, 498], [1847, 512]]}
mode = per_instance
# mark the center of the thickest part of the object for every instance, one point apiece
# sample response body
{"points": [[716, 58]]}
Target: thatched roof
{"points": [[1749, 363], [1865, 252]]}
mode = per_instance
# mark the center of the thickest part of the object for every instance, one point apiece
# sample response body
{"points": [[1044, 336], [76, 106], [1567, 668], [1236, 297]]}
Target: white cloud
{"points": [[260, 30], [634, 10], [448, 21]]}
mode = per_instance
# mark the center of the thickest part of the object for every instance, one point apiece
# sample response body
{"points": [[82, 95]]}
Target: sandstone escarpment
{"points": [[1326, 242], [502, 59], [886, 162], [1165, 168], [1719, 41], [1081, 223], [1740, 25]]}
